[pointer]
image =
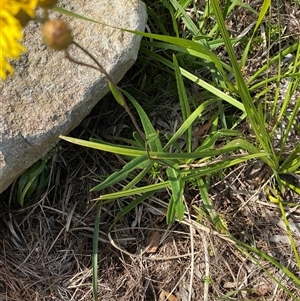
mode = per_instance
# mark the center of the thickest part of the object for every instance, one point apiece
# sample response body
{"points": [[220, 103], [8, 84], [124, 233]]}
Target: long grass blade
{"points": [[95, 253], [257, 124], [209, 207], [176, 207], [184, 103], [151, 135], [118, 176], [133, 191]]}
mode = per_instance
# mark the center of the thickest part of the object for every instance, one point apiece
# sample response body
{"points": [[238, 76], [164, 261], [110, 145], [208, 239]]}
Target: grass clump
{"points": [[190, 52]]}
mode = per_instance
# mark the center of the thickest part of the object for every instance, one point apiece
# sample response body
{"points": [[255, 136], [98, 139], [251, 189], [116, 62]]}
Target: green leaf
{"points": [[120, 150], [95, 253], [28, 181], [157, 20], [292, 186], [139, 177], [215, 166], [292, 163], [289, 232], [232, 146], [130, 206], [264, 8], [188, 122], [172, 15], [176, 206], [275, 60], [185, 17], [151, 135], [116, 93], [184, 102], [133, 191], [118, 176], [211, 139], [140, 141], [257, 124], [220, 94], [209, 207], [247, 249]]}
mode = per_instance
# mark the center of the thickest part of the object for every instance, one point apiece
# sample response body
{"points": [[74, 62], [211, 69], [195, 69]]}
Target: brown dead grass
{"points": [[46, 249]]}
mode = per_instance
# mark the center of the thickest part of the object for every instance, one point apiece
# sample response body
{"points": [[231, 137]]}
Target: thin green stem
{"points": [[102, 70]]}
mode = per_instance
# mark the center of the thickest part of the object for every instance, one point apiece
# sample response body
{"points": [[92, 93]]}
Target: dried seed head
{"points": [[57, 34]]}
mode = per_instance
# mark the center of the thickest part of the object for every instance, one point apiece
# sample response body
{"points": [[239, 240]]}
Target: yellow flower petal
{"points": [[14, 6], [11, 31]]}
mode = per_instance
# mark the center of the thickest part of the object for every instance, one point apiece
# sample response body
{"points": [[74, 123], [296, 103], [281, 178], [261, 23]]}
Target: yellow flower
{"points": [[11, 31], [14, 6]]}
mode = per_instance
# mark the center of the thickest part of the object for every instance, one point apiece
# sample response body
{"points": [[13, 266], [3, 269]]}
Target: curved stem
{"points": [[102, 70]]}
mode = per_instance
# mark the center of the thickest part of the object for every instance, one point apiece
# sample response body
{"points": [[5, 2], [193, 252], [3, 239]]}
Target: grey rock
{"points": [[48, 95]]}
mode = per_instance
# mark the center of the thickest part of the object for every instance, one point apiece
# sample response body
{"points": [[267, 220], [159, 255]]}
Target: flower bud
{"points": [[57, 35], [47, 3]]}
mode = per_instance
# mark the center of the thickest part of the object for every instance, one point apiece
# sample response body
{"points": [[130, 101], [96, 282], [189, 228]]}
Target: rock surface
{"points": [[48, 95]]}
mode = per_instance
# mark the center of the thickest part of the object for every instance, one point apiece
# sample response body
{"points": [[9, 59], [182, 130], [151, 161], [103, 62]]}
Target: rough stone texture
{"points": [[48, 95]]}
